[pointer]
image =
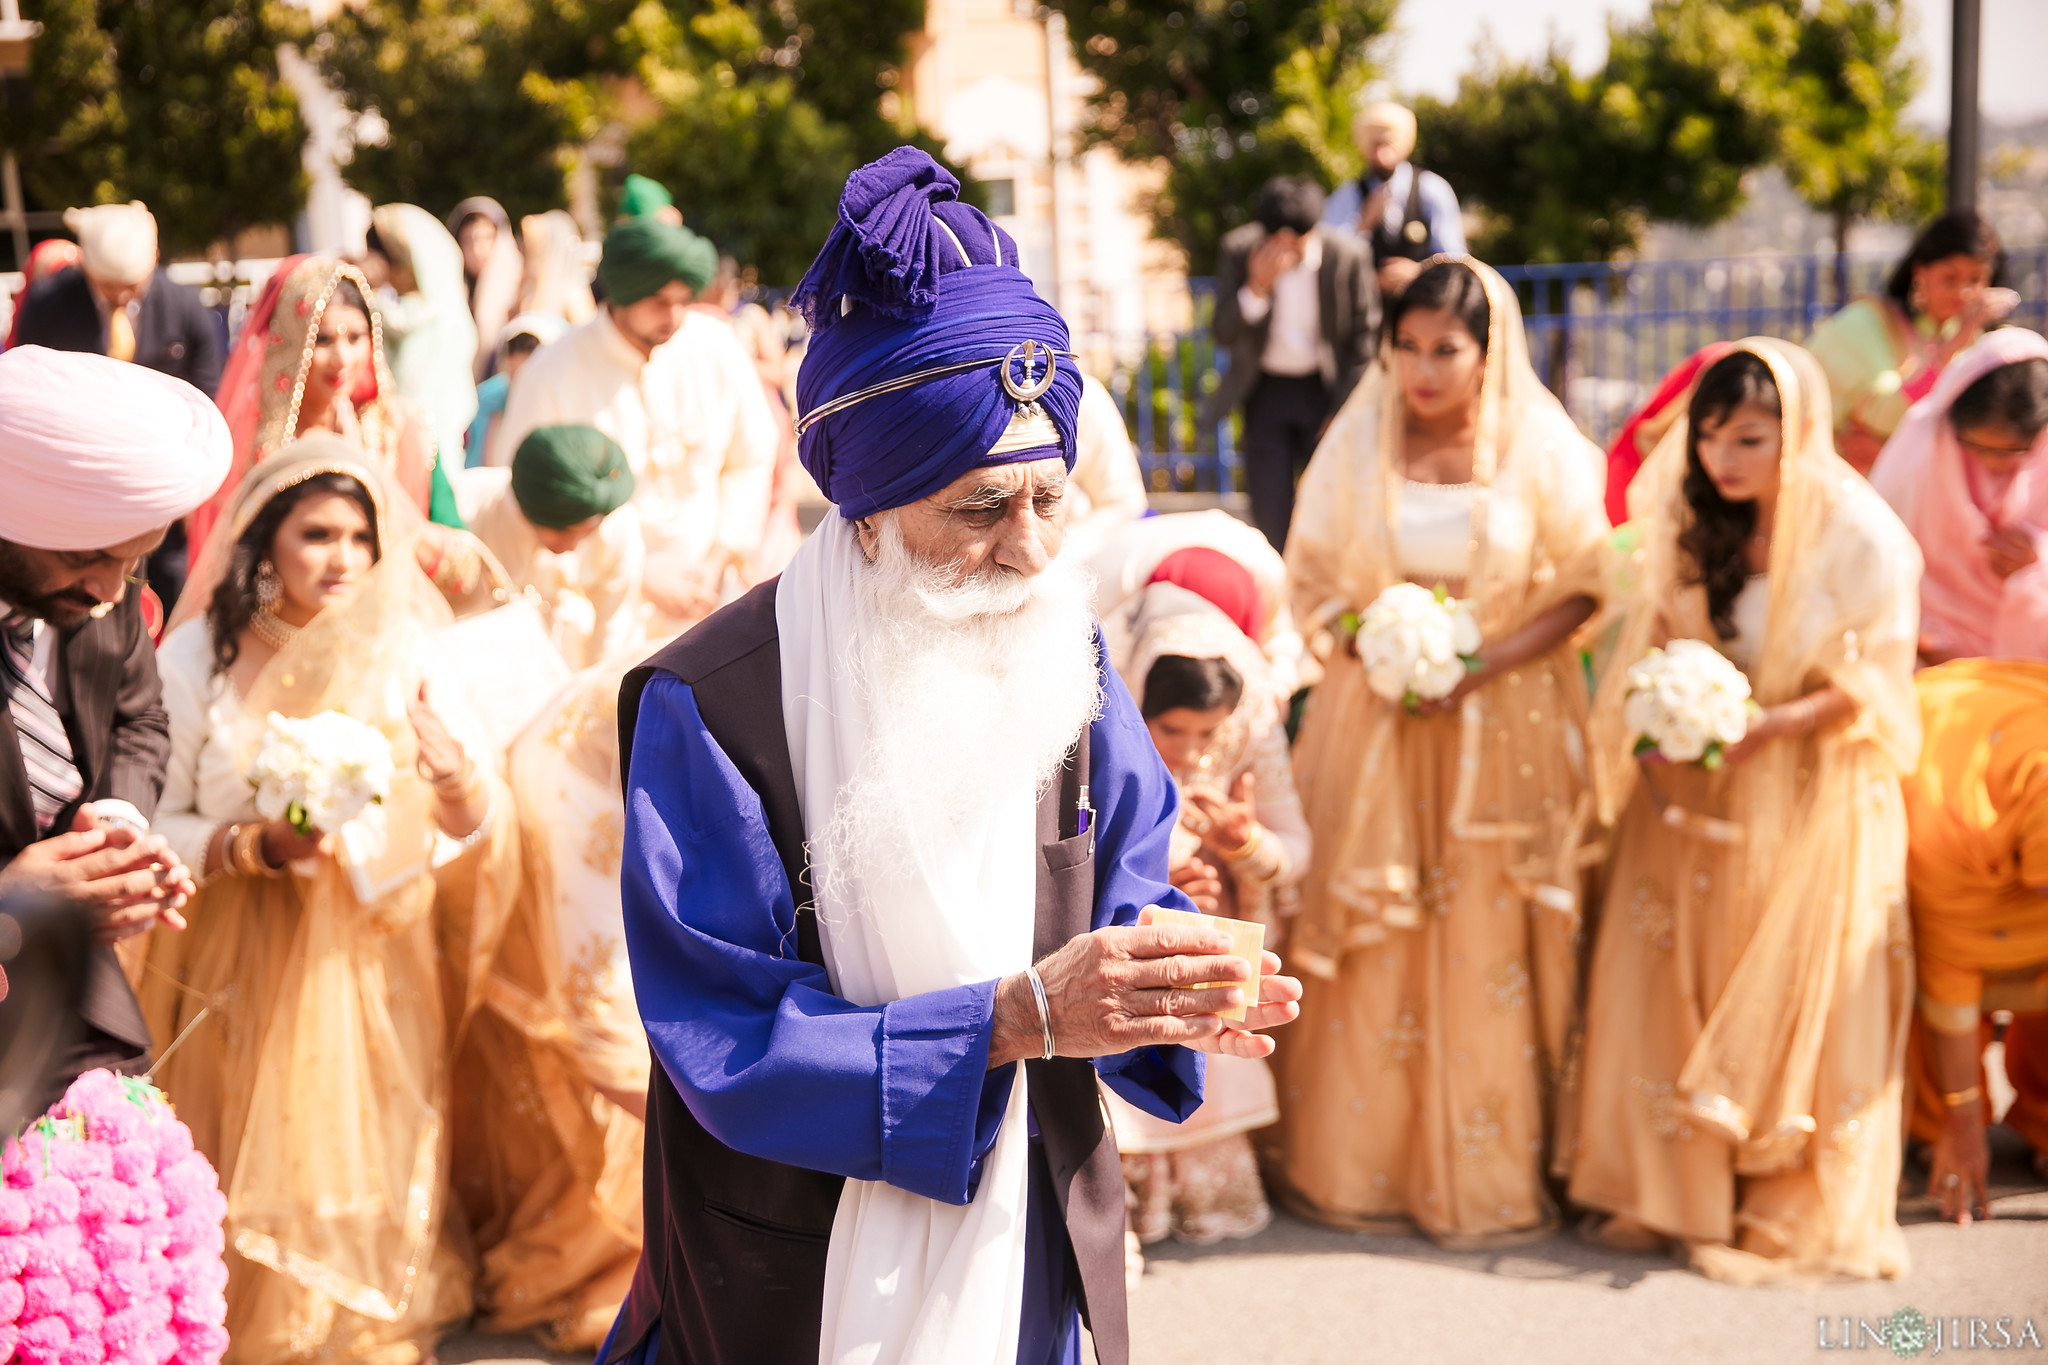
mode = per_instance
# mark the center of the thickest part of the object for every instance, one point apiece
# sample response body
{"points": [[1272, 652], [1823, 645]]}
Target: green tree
{"points": [[764, 107], [468, 92], [1845, 145], [178, 105], [752, 112], [1228, 93], [1562, 167]]}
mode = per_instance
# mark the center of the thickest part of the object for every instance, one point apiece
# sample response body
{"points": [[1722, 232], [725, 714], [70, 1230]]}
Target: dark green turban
{"points": [[569, 474], [641, 255], [641, 197]]}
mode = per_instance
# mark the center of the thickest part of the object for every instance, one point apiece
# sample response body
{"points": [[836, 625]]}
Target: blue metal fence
{"points": [[1601, 335]]}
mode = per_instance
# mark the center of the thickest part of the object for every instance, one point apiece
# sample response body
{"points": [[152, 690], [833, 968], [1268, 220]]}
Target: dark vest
{"points": [[733, 1267], [1411, 240]]}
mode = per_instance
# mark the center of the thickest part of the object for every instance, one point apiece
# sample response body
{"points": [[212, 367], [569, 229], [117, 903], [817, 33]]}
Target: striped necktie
{"points": [[53, 779]]}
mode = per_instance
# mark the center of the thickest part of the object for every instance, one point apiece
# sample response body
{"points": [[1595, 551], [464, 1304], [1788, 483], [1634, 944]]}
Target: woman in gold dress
{"points": [[1752, 982], [1441, 908], [309, 1009], [311, 357]]}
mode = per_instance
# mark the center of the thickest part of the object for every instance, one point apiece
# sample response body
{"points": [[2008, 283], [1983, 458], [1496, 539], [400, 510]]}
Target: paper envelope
{"points": [[1248, 941]]}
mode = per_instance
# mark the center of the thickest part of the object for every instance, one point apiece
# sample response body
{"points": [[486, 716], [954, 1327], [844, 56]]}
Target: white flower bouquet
{"points": [[320, 772], [1417, 643], [1688, 703]]}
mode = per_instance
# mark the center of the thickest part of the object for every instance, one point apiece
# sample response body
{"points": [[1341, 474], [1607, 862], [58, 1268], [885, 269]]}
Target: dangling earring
{"points": [[269, 587], [1916, 297]]}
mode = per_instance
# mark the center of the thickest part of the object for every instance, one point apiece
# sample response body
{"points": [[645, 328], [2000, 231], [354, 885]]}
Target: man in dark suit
{"points": [[97, 459], [117, 301], [1298, 309]]}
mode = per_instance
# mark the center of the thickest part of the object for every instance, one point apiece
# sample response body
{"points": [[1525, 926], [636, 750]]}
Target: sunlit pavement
{"points": [[1300, 1295]]}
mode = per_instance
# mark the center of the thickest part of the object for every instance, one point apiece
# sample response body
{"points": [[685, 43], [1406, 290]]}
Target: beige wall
{"points": [[978, 80]]}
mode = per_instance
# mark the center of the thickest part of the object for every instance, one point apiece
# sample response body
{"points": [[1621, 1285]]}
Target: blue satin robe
{"points": [[774, 1064]]}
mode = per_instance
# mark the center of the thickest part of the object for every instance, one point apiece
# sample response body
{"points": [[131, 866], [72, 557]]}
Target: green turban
{"points": [[643, 254], [642, 197], [569, 474]]}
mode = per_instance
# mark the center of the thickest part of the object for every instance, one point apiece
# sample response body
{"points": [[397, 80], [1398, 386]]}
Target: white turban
{"points": [[1395, 119], [117, 241], [95, 452]]}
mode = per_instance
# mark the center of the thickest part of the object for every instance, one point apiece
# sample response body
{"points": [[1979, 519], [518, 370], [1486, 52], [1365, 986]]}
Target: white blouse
{"points": [[1433, 531], [203, 787], [1752, 614]]}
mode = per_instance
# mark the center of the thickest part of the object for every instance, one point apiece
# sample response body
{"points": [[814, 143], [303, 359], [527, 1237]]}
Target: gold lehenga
{"points": [[550, 1166], [317, 1081], [1752, 980], [1441, 912]]}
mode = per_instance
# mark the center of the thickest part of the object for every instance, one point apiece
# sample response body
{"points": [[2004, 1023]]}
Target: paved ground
{"points": [[1298, 1295]]}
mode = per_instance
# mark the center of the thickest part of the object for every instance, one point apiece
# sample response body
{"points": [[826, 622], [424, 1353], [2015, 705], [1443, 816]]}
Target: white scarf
{"points": [[907, 1279]]}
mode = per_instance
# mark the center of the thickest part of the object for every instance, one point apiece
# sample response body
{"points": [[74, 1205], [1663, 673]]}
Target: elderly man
{"points": [[890, 828], [676, 390], [1405, 214], [561, 525], [118, 302], [96, 458]]}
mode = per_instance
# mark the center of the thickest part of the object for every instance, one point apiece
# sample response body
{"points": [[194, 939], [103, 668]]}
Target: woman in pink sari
{"points": [[1967, 471]]}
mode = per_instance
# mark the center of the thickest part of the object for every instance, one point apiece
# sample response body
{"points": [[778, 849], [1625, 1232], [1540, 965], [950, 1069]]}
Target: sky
{"points": [[1436, 38]]}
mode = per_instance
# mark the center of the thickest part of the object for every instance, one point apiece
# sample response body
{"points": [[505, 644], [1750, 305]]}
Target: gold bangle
{"points": [[248, 859], [1245, 849], [1956, 1099]]}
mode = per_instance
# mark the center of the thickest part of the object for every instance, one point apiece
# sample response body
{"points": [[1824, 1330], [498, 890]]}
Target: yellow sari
{"points": [[1752, 981], [1441, 909], [317, 1079]]}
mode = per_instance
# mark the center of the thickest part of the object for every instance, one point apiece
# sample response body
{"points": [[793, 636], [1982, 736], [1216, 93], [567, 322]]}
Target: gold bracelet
{"points": [[1956, 1099], [1246, 849], [248, 859], [211, 867]]}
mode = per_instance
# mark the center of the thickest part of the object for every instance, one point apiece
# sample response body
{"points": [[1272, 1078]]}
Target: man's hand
{"points": [[127, 880], [1272, 258], [1198, 881], [1396, 274], [1123, 988]]}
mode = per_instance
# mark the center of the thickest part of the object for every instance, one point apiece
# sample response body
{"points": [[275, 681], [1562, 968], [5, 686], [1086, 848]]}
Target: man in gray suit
{"points": [[1298, 309]]}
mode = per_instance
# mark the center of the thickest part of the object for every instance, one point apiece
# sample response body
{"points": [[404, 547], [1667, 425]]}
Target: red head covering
{"points": [[1211, 574], [1627, 453], [58, 253]]}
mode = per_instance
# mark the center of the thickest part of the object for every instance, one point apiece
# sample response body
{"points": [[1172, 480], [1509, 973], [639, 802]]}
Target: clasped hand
{"points": [[1116, 989], [126, 879]]}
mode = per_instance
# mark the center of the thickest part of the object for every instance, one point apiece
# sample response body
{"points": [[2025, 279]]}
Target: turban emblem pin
{"points": [[1023, 379]]}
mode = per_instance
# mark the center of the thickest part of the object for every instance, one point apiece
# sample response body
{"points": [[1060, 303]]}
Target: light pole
{"points": [[1965, 124]]}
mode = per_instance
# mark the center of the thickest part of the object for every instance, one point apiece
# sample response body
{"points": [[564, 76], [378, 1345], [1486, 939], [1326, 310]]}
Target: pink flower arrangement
{"points": [[110, 1234]]}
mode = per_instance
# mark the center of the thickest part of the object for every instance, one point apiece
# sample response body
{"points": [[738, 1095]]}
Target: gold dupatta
{"points": [[1819, 821], [1537, 534]]}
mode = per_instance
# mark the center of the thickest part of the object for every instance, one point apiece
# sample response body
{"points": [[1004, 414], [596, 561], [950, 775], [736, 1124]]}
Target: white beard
{"points": [[975, 688]]}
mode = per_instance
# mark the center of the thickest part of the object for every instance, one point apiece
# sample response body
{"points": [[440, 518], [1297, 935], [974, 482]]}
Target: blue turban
{"points": [[913, 280]]}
